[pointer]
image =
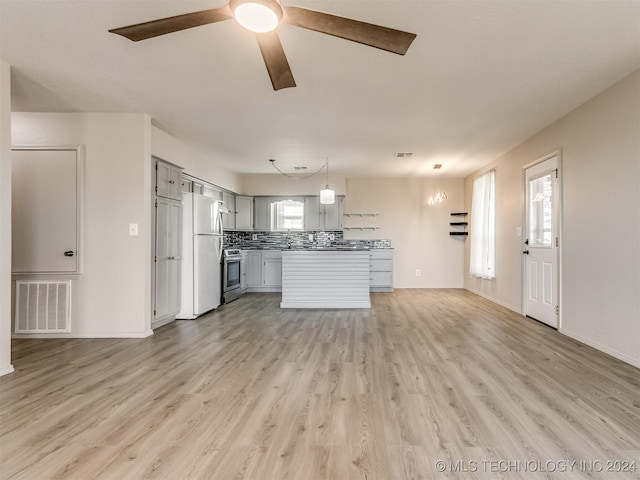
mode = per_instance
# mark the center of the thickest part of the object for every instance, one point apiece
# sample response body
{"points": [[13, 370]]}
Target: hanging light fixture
{"points": [[439, 197], [257, 15], [327, 195]]}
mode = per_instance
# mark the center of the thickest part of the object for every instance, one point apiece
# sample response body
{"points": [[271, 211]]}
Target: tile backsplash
{"points": [[280, 240]]}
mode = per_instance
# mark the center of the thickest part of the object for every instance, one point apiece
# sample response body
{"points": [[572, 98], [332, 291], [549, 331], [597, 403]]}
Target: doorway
{"points": [[541, 249]]}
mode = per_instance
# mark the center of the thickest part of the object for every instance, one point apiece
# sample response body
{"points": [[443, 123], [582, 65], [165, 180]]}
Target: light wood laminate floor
{"points": [[252, 391]]}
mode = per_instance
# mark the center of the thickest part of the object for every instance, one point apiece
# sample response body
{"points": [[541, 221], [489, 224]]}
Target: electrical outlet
{"points": [[332, 237], [418, 273], [311, 237], [254, 236]]}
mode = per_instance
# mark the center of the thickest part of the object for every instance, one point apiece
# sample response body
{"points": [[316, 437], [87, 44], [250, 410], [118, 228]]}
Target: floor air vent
{"points": [[42, 307]]}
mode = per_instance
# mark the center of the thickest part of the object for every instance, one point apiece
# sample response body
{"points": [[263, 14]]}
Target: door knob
{"points": [[68, 253], [526, 252]]}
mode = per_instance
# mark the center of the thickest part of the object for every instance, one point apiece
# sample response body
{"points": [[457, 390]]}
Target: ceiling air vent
{"points": [[403, 154]]}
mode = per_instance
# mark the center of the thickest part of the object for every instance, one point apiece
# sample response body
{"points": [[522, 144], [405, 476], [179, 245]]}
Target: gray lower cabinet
{"points": [[381, 270], [243, 272], [254, 269], [264, 270], [272, 268]]}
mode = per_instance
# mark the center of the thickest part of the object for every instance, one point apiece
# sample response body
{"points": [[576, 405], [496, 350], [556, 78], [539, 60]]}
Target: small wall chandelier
{"points": [[437, 198]]}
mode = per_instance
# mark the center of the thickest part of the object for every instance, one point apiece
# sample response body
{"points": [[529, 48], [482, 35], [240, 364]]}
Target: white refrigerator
{"points": [[201, 255]]}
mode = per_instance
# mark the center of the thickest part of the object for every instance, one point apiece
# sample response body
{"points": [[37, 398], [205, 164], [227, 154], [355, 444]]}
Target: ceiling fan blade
{"points": [[155, 28], [389, 39], [275, 60]]}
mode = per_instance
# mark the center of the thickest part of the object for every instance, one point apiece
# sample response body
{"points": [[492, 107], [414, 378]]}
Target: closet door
{"points": [[45, 201]]}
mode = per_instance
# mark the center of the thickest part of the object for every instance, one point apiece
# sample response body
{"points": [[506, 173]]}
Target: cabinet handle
{"points": [[171, 182], [69, 253]]}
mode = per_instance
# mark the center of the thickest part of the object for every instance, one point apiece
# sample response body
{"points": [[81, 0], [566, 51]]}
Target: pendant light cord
{"points": [[273, 162]]}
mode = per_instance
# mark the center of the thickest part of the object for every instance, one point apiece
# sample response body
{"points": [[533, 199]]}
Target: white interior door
{"points": [[45, 221], [541, 245]]}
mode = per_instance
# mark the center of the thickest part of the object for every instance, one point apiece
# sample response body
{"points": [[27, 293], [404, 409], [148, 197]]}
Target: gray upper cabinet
{"points": [[229, 205], [209, 190], [333, 215], [322, 217], [168, 180], [313, 213], [186, 185], [261, 219], [244, 213]]}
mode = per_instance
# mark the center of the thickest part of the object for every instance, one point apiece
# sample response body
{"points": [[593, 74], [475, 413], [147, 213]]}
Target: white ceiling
{"points": [[481, 77]]}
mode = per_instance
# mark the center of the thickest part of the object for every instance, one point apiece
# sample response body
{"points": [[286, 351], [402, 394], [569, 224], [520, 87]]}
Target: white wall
{"points": [[418, 232], [111, 298], [5, 219], [194, 162], [600, 240], [277, 184]]}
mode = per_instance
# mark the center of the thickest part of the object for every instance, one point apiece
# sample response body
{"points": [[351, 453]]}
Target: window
{"points": [[287, 215], [483, 227]]}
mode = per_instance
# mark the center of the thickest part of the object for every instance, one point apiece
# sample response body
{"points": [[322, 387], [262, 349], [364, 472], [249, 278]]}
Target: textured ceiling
{"points": [[481, 77]]}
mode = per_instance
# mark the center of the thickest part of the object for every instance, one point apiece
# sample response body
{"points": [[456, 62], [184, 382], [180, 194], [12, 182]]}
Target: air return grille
{"points": [[42, 307]]}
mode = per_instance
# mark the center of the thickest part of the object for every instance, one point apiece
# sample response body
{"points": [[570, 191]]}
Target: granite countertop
{"points": [[328, 248]]}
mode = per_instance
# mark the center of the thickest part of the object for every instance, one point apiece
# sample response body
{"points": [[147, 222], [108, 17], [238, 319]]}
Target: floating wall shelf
{"points": [[361, 215], [459, 224]]}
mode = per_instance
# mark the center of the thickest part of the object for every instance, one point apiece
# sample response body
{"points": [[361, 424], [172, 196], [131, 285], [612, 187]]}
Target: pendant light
{"points": [[327, 195]]}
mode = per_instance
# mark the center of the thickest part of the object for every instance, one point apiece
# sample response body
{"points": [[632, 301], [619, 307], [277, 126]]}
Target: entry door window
{"points": [[541, 211]]}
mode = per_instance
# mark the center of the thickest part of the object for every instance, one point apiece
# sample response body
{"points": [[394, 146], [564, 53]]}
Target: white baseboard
{"points": [[609, 351], [166, 321], [502, 304], [6, 370], [345, 304], [144, 334]]}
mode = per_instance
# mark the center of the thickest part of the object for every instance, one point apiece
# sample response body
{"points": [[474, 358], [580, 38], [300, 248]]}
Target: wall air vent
{"points": [[403, 154], [43, 307]]}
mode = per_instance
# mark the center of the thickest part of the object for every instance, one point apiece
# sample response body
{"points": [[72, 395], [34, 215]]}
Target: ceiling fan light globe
{"points": [[259, 17]]}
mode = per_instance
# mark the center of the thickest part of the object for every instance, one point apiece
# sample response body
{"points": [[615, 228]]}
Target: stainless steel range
{"points": [[231, 274]]}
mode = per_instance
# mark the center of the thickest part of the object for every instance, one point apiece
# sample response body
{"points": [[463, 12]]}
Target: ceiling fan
{"points": [[262, 17]]}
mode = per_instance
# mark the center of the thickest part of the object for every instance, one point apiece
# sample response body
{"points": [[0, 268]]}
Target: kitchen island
{"points": [[325, 278]]}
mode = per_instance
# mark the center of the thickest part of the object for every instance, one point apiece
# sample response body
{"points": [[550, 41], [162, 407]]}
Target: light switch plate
{"points": [[518, 231], [254, 236], [133, 229]]}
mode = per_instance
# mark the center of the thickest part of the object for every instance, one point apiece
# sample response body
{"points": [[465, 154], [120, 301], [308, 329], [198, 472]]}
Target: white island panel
{"points": [[325, 279]]}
